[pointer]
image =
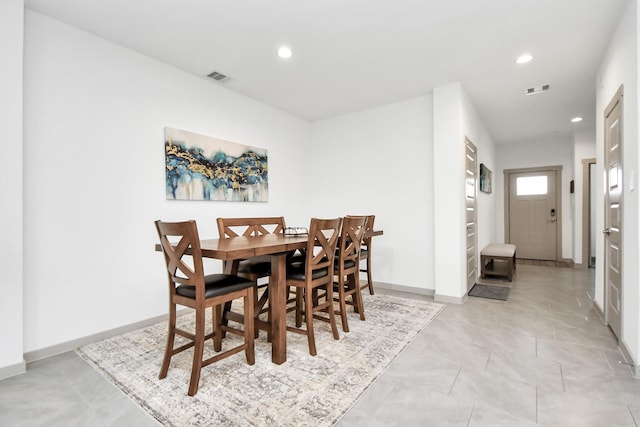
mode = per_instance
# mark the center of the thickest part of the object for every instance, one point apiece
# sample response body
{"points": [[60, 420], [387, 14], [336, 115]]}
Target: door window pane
{"points": [[531, 185]]}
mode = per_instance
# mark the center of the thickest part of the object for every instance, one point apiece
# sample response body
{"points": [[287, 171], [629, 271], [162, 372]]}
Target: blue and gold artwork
{"points": [[199, 167]]}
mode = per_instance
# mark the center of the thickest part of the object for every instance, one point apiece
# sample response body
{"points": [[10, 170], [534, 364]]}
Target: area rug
{"points": [[490, 291], [303, 391]]}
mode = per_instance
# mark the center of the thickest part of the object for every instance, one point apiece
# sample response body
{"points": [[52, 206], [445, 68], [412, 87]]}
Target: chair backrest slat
{"points": [[366, 241], [188, 244], [369, 227], [246, 227], [321, 247], [353, 229]]}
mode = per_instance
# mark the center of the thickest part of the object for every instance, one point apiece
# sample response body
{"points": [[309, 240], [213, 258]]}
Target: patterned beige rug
{"points": [[304, 391]]}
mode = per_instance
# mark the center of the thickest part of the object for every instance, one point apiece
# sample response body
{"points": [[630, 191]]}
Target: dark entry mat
{"points": [[491, 292]]}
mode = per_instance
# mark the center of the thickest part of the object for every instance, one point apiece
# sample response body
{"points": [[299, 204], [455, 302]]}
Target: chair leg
{"points": [[259, 304], [269, 329], [198, 349], [308, 315], [332, 313], [356, 294], [299, 299], [224, 320], [217, 332], [369, 276], [171, 335], [249, 326], [357, 301], [343, 305]]}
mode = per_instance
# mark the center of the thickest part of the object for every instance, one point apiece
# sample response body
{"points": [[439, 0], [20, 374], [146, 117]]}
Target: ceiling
{"points": [[354, 54]]}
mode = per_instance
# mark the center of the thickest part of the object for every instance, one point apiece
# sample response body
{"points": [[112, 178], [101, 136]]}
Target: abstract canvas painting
{"points": [[485, 179], [200, 167]]}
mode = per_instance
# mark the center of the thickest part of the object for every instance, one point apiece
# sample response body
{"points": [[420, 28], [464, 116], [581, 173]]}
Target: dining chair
{"points": [[253, 268], [347, 267], [365, 254], [315, 272], [190, 287]]}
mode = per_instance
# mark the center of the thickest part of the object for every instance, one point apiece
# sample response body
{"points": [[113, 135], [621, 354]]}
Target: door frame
{"points": [[587, 238], [557, 169]]}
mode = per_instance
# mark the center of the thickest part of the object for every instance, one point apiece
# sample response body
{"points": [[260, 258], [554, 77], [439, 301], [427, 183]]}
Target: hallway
{"points": [[543, 357]]}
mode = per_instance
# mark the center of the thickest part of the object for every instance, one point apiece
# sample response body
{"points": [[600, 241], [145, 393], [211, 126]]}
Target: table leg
{"points": [[231, 267], [278, 303]]}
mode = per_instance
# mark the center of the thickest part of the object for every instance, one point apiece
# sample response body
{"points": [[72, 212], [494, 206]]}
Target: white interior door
{"points": [[613, 214], [471, 182]]}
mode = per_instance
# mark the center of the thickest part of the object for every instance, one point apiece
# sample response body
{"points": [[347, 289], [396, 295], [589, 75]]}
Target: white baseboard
{"points": [[54, 350], [635, 370], [597, 309], [449, 299], [402, 288], [12, 370], [421, 291], [622, 346]]}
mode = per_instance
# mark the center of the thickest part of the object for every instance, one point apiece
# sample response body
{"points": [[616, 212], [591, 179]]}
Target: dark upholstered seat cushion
{"points": [[296, 271], [347, 264], [260, 265], [363, 252], [216, 284]]}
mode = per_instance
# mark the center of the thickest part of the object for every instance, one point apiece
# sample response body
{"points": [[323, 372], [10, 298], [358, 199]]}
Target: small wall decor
{"points": [[485, 179], [199, 167]]}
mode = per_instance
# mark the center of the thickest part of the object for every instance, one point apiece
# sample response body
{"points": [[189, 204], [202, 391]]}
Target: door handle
{"points": [[607, 231]]}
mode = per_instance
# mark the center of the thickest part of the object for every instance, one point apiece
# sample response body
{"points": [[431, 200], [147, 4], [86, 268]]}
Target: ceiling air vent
{"points": [[219, 77], [536, 90]]}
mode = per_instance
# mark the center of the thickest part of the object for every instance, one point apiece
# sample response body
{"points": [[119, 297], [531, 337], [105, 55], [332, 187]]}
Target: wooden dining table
{"points": [[277, 246]]}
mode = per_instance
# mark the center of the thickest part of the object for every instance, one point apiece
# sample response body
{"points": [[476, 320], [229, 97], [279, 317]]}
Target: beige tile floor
{"points": [[541, 358]]}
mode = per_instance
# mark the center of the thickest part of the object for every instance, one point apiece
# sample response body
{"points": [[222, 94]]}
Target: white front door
{"points": [[533, 213]]}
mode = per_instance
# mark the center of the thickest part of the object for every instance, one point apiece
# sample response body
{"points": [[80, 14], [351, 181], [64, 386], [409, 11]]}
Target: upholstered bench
{"points": [[498, 259]]}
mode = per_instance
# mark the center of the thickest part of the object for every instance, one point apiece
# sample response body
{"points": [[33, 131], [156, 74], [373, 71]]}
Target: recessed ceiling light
{"points": [[284, 52], [576, 120], [523, 59]]}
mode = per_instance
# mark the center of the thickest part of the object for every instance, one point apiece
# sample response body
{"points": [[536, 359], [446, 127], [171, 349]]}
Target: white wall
{"points": [[380, 161], [475, 130], [11, 255], [94, 115], [93, 147], [454, 118], [554, 152], [94, 176], [449, 194], [620, 67]]}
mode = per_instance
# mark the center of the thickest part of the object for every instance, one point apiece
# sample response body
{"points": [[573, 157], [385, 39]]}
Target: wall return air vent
{"points": [[219, 77], [536, 90]]}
